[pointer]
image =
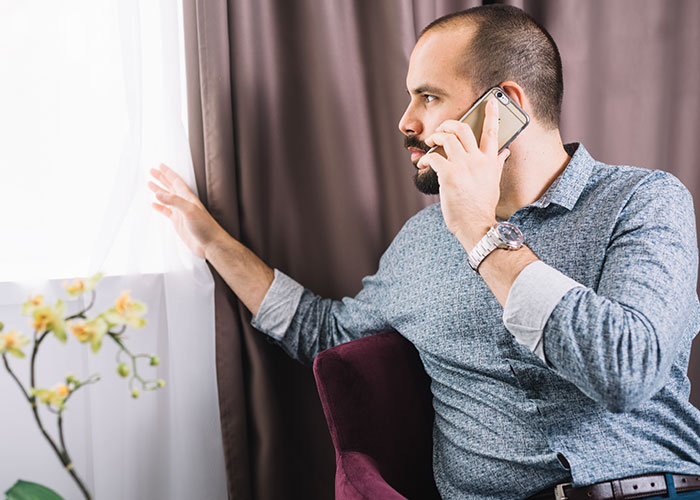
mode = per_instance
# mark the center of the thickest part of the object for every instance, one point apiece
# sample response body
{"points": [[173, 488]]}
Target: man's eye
{"points": [[429, 98]]}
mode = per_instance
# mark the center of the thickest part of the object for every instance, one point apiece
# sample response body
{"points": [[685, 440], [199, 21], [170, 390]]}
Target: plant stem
{"points": [[62, 455], [34, 351], [7, 365], [81, 314], [71, 471], [134, 367], [60, 432]]}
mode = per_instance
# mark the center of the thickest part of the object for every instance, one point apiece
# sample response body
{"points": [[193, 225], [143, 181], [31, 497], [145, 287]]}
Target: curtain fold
{"points": [[212, 141], [293, 129]]}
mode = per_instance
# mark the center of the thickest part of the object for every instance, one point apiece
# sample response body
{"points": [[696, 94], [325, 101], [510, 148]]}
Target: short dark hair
{"points": [[508, 44]]}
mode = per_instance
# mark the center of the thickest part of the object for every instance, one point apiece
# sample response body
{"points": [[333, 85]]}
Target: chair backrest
{"points": [[377, 400]]}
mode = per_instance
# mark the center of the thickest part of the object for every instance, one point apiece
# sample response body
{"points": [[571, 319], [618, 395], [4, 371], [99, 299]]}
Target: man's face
{"points": [[438, 92]]}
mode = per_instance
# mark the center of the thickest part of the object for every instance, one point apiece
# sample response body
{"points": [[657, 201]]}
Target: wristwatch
{"points": [[501, 235]]}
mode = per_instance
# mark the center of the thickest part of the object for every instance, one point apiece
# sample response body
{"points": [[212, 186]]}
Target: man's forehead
{"points": [[437, 60]]}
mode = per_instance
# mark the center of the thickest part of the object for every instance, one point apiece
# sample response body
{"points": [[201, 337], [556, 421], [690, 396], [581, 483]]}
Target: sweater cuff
{"points": [[278, 306], [535, 293]]}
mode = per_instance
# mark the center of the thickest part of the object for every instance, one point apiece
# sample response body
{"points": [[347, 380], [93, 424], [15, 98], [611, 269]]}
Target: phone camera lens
{"points": [[499, 94]]}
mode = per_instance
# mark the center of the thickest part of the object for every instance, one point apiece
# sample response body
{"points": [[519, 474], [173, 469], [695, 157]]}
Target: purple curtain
{"points": [[293, 110]]}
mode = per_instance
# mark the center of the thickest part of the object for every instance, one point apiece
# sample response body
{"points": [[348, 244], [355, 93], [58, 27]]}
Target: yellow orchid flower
{"points": [[81, 286], [76, 288], [47, 318], [33, 302], [126, 312], [52, 397], [91, 331], [12, 341]]}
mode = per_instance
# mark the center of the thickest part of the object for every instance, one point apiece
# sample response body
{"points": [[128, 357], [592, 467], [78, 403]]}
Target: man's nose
{"points": [[409, 124]]}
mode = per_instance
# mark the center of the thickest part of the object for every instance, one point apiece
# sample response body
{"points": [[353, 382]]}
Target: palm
{"points": [[186, 234], [193, 224]]}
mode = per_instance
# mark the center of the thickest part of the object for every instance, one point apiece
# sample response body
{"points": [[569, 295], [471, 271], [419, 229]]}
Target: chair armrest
{"points": [[377, 401], [375, 394], [357, 478]]}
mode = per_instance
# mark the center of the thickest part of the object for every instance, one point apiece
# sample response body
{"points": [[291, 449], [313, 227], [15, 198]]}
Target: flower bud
{"points": [[161, 382], [123, 369], [70, 379], [135, 393], [155, 360]]}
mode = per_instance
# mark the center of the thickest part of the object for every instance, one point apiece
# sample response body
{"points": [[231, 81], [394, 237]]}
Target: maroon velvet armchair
{"points": [[378, 405]]}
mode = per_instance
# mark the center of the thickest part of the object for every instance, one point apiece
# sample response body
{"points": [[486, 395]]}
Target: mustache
{"points": [[411, 141]]}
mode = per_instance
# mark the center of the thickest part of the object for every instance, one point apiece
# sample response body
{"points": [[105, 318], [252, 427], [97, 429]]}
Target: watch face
{"points": [[509, 233]]}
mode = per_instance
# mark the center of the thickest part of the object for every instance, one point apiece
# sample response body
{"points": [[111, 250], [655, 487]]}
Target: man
{"points": [[559, 361]]}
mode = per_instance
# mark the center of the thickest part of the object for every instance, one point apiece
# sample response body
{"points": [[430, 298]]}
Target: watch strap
{"points": [[484, 247]]}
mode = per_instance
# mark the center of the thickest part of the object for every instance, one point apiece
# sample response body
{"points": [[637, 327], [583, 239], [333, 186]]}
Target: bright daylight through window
{"points": [[81, 108]]}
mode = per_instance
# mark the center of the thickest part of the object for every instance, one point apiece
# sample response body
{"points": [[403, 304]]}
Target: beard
{"points": [[426, 179]]}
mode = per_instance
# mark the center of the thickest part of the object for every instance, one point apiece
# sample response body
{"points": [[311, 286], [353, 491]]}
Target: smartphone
{"points": [[511, 119]]}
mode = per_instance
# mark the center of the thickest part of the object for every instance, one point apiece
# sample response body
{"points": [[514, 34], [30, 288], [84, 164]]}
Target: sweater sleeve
{"points": [[617, 343], [304, 324], [278, 306], [525, 313]]}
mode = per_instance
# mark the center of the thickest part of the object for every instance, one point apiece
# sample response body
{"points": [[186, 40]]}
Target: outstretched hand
{"points": [[469, 177], [195, 226]]}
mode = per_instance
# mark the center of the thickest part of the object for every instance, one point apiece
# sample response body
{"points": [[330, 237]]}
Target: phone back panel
{"points": [[511, 118]]}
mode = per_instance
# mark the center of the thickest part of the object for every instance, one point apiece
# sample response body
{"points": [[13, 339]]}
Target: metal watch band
{"points": [[486, 245]]}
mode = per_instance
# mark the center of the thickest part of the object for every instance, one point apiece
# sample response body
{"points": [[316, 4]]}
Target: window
{"points": [[84, 114]]}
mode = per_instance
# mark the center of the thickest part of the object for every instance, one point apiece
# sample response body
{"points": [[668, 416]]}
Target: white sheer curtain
{"points": [[91, 97]]}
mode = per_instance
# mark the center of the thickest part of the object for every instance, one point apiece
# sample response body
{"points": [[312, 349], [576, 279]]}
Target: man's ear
{"points": [[517, 94]]}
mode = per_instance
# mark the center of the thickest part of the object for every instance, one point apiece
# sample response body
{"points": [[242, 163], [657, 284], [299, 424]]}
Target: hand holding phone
{"points": [[511, 119]]}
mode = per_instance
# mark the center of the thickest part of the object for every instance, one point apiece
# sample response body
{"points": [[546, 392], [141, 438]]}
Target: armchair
{"points": [[378, 406]]}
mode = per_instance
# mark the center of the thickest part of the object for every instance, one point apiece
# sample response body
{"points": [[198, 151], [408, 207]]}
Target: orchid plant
{"points": [[49, 319]]}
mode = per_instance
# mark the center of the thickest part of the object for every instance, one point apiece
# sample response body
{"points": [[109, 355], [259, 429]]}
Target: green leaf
{"points": [[24, 490]]}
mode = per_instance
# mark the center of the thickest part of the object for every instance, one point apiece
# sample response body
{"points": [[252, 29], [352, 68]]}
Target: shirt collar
{"points": [[566, 189]]}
